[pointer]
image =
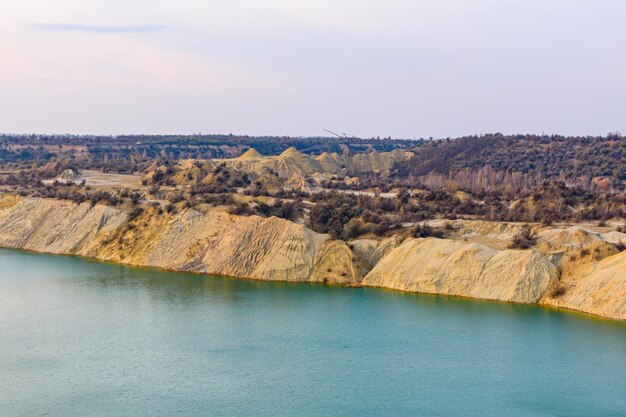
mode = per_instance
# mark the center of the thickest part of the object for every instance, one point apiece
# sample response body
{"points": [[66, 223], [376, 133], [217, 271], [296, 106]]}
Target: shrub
{"points": [[136, 212], [240, 209], [424, 230], [353, 229], [524, 239], [558, 290]]}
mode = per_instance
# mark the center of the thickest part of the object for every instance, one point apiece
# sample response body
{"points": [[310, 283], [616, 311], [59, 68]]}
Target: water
{"points": [[82, 338]]}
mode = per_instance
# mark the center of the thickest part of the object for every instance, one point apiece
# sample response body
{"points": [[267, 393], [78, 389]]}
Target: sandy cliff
{"points": [[590, 278], [440, 266], [55, 226], [593, 279], [214, 242]]}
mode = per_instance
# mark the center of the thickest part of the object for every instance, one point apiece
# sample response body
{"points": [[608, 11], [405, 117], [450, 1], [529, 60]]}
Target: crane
{"points": [[335, 134]]}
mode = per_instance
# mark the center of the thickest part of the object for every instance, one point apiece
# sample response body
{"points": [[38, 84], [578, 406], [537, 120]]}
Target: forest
{"points": [[516, 162], [122, 153], [520, 178]]}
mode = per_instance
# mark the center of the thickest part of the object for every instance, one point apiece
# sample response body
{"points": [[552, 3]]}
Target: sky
{"points": [[399, 68]]}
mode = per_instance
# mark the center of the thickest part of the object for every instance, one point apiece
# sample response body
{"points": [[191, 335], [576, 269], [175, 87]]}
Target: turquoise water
{"points": [[81, 338]]}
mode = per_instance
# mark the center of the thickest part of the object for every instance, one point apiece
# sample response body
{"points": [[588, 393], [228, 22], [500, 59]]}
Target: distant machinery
{"points": [[342, 136]]}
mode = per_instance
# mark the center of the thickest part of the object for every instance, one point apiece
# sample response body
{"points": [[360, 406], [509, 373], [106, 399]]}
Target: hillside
{"points": [[587, 277], [577, 160]]}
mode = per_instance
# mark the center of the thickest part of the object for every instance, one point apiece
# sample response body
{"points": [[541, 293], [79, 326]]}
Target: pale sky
{"points": [[400, 68]]}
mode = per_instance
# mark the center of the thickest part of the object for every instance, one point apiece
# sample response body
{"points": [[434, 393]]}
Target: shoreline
{"points": [[272, 249], [325, 284]]}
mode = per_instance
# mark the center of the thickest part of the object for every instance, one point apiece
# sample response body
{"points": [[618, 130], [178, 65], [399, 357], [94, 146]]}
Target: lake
{"points": [[84, 338]]}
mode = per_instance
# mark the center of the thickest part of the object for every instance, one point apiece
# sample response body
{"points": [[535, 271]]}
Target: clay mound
{"points": [[331, 163], [575, 262], [617, 238], [291, 153], [298, 182], [271, 182], [292, 161], [377, 162], [485, 228], [559, 240], [251, 154], [67, 176], [192, 171], [151, 172]]}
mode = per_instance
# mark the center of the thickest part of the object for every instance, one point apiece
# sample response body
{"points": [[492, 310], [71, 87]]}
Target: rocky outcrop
{"points": [[585, 276]]}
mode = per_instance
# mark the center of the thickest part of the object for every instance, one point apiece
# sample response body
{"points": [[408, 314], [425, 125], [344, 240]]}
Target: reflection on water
{"points": [[86, 338]]}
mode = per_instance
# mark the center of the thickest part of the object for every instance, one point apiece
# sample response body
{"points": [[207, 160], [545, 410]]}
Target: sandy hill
{"points": [[331, 162], [291, 161], [291, 153], [192, 171], [250, 154], [298, 170], [574, 237]]}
